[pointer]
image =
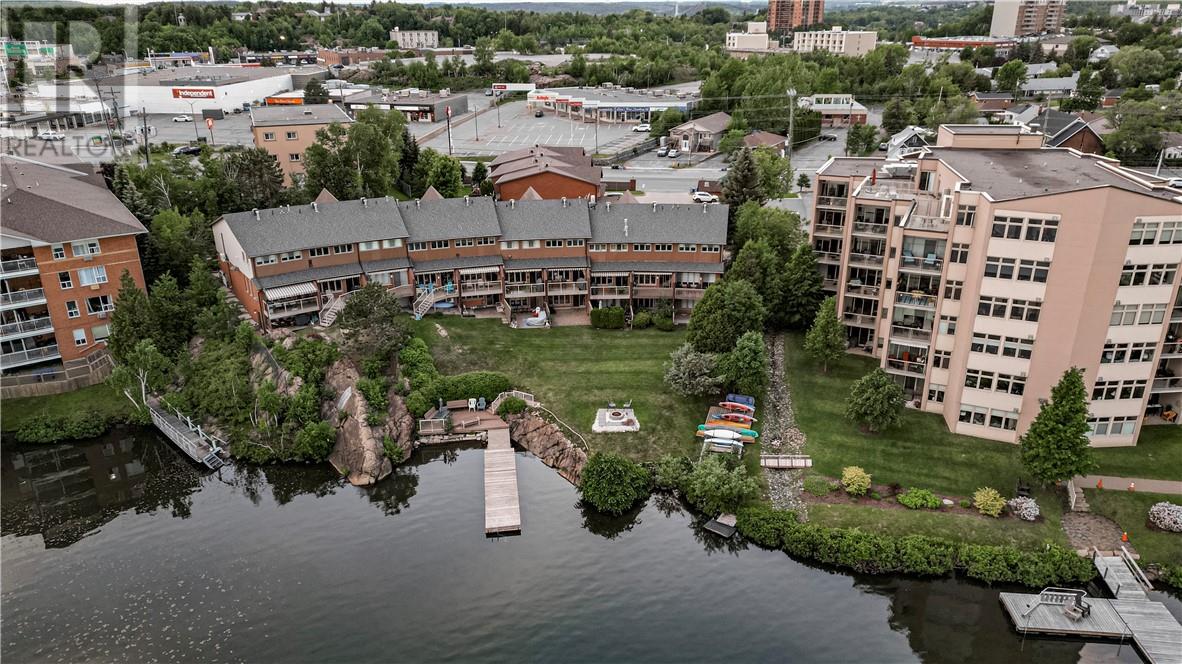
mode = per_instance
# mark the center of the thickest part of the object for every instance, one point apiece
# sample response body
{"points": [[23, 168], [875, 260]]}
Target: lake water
{"points": [[121, 550]]}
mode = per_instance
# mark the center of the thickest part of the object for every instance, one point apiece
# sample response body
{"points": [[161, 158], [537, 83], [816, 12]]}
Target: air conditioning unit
{"points": [[88, 257], [102, 314]]}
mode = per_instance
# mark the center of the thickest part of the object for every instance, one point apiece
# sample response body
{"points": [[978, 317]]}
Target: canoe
{"points": [[733, 426], [736, 406], [710, 428], [741, 398], [738, 417], [724, 446], [724, 434]]}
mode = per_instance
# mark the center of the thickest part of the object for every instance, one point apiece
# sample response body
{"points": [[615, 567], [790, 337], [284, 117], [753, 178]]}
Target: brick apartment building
{"points": [[1016, 18], [288, 264], [66, 241], [552, 172], [983, 271], [287, 131], [787, 15]]}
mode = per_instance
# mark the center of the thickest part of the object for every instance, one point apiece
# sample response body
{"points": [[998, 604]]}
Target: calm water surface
{"points": [[121, 550]]}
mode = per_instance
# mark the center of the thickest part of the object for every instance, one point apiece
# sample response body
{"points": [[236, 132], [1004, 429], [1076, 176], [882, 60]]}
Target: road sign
{"points": [[449, 111], [209, 123]]}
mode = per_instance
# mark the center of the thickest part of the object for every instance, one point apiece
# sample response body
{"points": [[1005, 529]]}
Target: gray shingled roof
{"points": [[458, 262], [654, 266], [450, 218], [305, 226], [311, 274], [544, 220], [646, 222], [386, 264], [562, 262]]}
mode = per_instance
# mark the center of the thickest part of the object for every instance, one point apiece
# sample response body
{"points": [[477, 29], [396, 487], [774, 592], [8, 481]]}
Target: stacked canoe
{"points": [[730, 424]]}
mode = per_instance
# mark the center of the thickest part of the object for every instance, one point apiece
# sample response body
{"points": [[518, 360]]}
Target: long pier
{"points": [[200, 446], [502, 508]]}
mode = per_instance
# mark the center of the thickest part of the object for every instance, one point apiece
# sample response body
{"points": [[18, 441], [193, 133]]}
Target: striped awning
{"points": [[611, 274], [480, 270], [285, 292]]}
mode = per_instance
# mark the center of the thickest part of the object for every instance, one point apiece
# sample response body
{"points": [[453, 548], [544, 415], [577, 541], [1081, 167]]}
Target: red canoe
{"points": [[738, 407], [738, 417]]}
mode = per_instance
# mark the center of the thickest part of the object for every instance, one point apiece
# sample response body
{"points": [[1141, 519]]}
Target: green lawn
{"points": [[99, 397], [957, 527], [1130, 511], [575, 370], [920, 452], [1157, 455]]}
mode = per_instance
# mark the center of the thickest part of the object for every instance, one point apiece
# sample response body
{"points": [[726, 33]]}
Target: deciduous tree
{"points": [[728, 309], [745, 368], [315, 92], [799, 292], [1056, 447], [172, 315], [825, 341], [875, 402], [132, 320], [690, 373]]}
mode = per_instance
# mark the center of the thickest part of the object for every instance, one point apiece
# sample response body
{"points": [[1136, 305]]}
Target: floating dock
{"points": [[502, 508]]}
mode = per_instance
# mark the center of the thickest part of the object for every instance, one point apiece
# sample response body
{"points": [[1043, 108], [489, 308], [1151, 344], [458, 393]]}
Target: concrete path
{"points": [[1173, 487]]}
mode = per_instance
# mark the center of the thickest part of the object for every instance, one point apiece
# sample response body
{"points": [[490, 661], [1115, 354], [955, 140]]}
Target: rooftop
{"points": [[306, 114], [450, 218], [656, 222], [288, 228], [544, 220], [209, 75]]}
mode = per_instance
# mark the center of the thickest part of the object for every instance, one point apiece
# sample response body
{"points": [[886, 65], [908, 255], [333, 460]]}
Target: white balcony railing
{"points": [[23, 297], [18, 265], [907, 332], [17, 358], [854, 288], [1168, 384], [869, 228], [26, 326], [915, 263], [566, 287], [829, 229], [898, 364], [829, 256], [524, 290], [866, 259], [861, 320], [292, 307], [832, 201], [923, 223], [480, 287]]}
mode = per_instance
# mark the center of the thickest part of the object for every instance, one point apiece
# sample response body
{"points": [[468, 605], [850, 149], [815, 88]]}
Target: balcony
{"points": [[653, 290], [866, 228], [929, 264], [474, 288], [921, 333], [1171, 349], [916, 299], [566, 288], [856, 288], [693, 293], [609, 292], [524, 290], [1176, 315], [18, 267], [866, 259], [888, 189], [285, 308], [1166, 385], [832, 201], [30, 356], [828, 229], [829, 284], [902, 366], [26, 328], [918, 222], [860, 320], [405, 290], [828, 257], [23, 298]]}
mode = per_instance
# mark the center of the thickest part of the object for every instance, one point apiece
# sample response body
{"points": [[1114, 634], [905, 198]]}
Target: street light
{"points": [[193, 118], [791, 118]]}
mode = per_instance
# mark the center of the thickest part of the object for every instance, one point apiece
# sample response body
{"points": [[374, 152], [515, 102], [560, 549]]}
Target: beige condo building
{"points": [[978, 273]]}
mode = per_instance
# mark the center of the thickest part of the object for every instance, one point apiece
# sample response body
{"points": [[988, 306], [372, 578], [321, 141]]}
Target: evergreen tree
{"points": [[1089, 92], [825, 341], [124, 188], [202, 291], [727, 310], [804, 182], [897, 115], [172, 314], [254, 180], [690, 373], [800, 291], [315, 92], [741, 184], [132, 319], [479, 173], [745, 368], [408, 159], [757, 265], [875, 402], [1055, 447]]}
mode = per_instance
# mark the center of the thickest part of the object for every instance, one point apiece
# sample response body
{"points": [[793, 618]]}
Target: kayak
{"points": [[712, 426], [724, 434], [736, 406], [738, 417], [725, 446], [741, 398]]}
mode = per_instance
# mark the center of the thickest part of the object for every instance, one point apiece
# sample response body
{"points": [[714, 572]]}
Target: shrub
{"points": [[416, 364], [393, 451], [607, 318], [876, 495], [1171, 574], [314, 442], [1004, 564], [919, 499], [511, 406], [308, 358], [928, 556], [642, 320], [664, 323], [1166, 516], [670, 472], [471, 385], [714, 488], [418, 403], [88, 423], [855, 480], [966, 503], [377, 402], [764, 525], [988, 501], [612, 483], [817, 485], [1023, 508]]}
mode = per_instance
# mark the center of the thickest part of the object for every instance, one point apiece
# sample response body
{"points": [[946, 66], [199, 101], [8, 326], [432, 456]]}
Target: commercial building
{"points": [[1016, 18], [755, 39], [546, 172], [415, 39], [1144, 13], [837, 110], [784, 16], [609, 103], [982, 270], [211, 87], [343, 57], [1000, 46], [417, 105], [852, 43], [65, 242], [287, 131], [40, 58], [473, 255]]}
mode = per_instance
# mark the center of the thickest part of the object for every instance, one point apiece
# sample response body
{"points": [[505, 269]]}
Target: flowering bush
{"points": [[1166, 516], [1023, 508]]}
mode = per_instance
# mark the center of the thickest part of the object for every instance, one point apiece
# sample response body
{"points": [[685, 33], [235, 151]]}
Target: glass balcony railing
{"points": [[23, 297], [28, 356], [18, 265], [26, 326]]}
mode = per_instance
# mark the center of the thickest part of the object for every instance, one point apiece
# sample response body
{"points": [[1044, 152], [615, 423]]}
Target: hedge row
{"points": [[428, 386], [608, 318], [912, 554], [88, 423]]}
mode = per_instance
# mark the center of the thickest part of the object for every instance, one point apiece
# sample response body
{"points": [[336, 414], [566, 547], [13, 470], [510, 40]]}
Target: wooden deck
{"points": [[502, 509], [1155, 630], [1119, 579]]}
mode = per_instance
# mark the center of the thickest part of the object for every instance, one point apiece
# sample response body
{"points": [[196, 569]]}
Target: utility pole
{"points": [[497, 101], [193, 117], [791, 121], [476, 121], [596, 131], [147, 147], [448, 130]]}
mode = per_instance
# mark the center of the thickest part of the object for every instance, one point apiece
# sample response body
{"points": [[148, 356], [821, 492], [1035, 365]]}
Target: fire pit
{"points": [[615, 420]]}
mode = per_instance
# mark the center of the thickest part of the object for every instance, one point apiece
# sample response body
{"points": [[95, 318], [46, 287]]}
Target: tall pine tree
{"points": [[1056, 446], [741, 184], [825, 341], [172, 313], [799, 292], [132, 320]]}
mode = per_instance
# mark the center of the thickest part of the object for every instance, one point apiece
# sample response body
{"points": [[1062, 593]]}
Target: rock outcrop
{"points": [[547, 441], [358, 450], [400, 424]]}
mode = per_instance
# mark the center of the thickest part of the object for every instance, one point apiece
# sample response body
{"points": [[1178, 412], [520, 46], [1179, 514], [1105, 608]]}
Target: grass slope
{"points": [[1157, 455], [1131, 512], [99, 397]]}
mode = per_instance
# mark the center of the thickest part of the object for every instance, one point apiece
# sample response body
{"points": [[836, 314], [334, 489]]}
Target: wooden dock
{"points": [[502, 508], [1118, 576], [785, 461]]}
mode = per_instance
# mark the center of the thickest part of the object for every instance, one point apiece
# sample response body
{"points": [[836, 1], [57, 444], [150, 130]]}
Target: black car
{"points": [[538, 114], [827, 137], [186, 150]]}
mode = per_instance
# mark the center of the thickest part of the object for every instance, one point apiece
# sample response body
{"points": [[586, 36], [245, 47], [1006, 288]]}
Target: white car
{"points": [[674, 154], [51, 136], [1176, 183], [704, 197], [644, 126], [182, 118]]}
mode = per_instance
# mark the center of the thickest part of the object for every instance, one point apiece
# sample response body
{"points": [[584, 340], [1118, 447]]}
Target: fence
{"points": [[74, 375], [628, 153]]}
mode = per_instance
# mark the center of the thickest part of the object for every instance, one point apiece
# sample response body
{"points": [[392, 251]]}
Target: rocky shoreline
{"points": [[780, 433], [545, 440]]}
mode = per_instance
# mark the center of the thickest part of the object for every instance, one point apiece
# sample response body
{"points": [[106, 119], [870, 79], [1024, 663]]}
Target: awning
{"points": [[285, 292], [611, 274], [479, 270]]}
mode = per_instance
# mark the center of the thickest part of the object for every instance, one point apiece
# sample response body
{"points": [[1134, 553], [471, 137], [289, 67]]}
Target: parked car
{"points": [[488, 92], [1174, 182], [538, 113], [643, 126], [182, 118], [662, 151], [186, 150], [827, 137], [673, 154], [704, 197], [51, 136]]}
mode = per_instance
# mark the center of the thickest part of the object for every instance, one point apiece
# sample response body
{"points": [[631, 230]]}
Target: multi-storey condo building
{"points": [[787, 15], [852, 43], [982, 270], [287, 131], [1015, 18], [65, 242], [414, 39], [288, 264]]}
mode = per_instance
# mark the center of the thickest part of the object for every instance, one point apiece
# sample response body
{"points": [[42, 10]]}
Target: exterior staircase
{"points": [[328, 315], [425, 300]]}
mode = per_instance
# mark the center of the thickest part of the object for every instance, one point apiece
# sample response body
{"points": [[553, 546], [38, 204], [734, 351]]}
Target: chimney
{"points": [[256, 213], [315, 208], [467, 202], [625, 226]]}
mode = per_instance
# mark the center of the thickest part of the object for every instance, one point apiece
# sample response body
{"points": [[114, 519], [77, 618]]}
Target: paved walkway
{"points": [[1173, 487]]}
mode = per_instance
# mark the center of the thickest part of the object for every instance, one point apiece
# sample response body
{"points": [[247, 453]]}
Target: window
{"points": [[966, 215], [1009, 228], [99, 304], [1171, 233], [266, 260], [1133, 389], [1152, 314], [86, 248], [1141, 352], [642, 247], [687, 248], [1025, 310], [89, 276], [508, 244], [662, 247], [947, 324], [1036, 271], [72, 309], [936, 393], [465, 242], [65, 280], [1114, 353], [973, 414], [978, 380], [1003, 419], [1010, 384], [417, 246], [1015, 347], [342, 249], [392, 244], [985, 343], [59, 252], [575, 243], [1151, 275], [999, 268], [1109, 390], [1123, 314], [1112, 426], [1143, 233], [992, 306], [291, 256], [941, 359], [294, 156], [100, 332], [960, 253], [711, 248], [1041, 230], [952, 290], [318, 251], [80, 338], [597, 247], [291, 135], [268, 135], [619, 247], [530, 244], [369, 246], [480, 242]]}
